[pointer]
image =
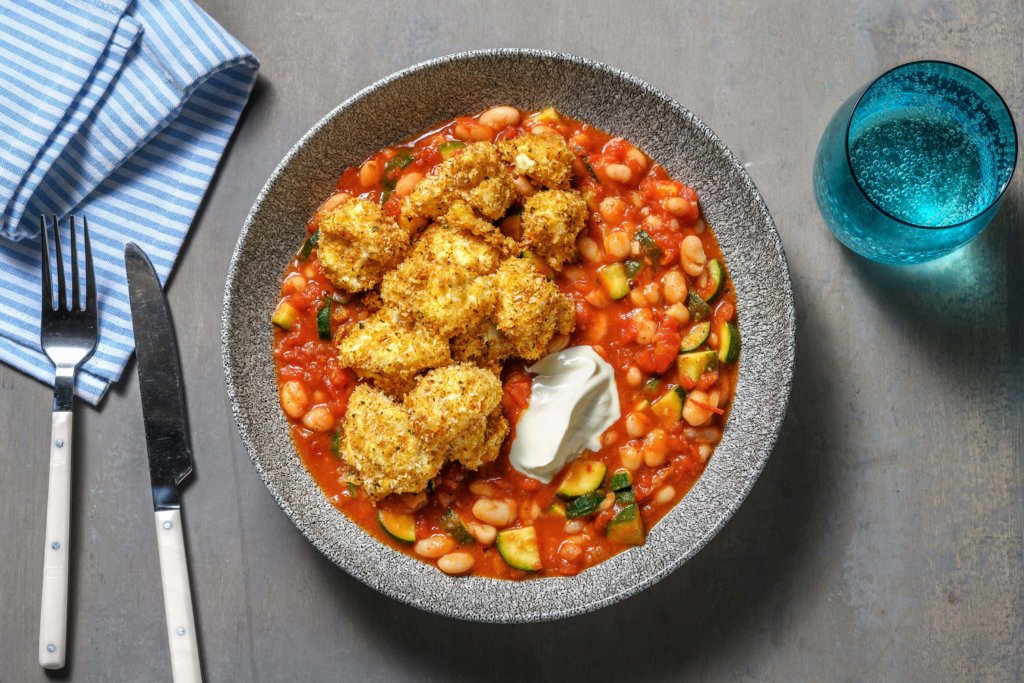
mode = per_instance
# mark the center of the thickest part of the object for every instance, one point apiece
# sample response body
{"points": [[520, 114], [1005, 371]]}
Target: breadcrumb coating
{"points": [[485, 345], [477, 447], [551, 221], [358, 244], [462, 217], [452, 400], [391, 352], [545, 159], [475, 175], [439, 285], [378, 443], [530, 309]]}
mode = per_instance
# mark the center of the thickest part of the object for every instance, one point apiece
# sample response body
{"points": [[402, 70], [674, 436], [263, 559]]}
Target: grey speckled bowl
{"points": [[411, 101]]}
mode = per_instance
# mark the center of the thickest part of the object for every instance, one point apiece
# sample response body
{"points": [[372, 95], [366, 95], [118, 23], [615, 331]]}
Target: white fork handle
{"points": [[53, 614], [181, 625]]}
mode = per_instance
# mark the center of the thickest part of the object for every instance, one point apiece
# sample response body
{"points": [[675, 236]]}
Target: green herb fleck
{"points": [[309, 245]]}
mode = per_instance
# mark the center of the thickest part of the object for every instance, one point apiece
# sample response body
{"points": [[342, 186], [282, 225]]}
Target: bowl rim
{"points": [[771, 430]]}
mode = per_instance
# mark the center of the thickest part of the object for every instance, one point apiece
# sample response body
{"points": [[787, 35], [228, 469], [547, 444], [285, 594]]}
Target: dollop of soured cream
{"points": [[573, 401]]}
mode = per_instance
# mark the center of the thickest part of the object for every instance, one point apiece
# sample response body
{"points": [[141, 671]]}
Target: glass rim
{"points": [[1009, 115]]}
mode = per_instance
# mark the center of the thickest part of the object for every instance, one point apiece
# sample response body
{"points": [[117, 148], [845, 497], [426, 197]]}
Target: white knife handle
{"points": [[181, 625], [53, 613]]}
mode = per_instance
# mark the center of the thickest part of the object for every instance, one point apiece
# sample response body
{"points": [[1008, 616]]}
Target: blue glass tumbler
{"points": [[915, 164]]}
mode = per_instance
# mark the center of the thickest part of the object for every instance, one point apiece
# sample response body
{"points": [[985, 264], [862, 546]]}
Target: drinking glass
{"points": [[915, 164]]}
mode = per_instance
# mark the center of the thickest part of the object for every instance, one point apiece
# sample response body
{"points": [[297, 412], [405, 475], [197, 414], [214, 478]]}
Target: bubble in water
{"points": [[921, 168]]}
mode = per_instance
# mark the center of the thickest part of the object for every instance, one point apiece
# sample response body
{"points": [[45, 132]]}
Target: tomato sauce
{"points": [[639, 335]]}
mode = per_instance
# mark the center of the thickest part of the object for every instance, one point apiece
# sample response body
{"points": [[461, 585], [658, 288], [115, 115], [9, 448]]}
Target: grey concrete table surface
{"points": [[884, 539]]}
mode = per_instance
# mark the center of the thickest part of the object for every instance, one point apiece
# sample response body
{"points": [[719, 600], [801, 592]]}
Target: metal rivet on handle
{"points": [[51, 648], [180, 630], [167, 525], [55, 545], [60, 443]]}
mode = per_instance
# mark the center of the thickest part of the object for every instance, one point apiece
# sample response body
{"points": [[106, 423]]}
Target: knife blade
{"points": [[170, 455], [163, 399]]}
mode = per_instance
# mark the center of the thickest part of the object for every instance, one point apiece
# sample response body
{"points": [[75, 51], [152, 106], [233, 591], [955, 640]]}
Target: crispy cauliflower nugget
{"points": [[378, 442], [475, 175], [462, 217], [484, 345], [475, 448], [358, 243], [551, 221], [451, 400], [530, 309], [546, 158], [391, 352], [440, 285]]}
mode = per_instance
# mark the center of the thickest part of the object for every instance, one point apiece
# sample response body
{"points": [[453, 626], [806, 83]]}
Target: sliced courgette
{"points": [[633, 266], [323, 320], [696, 363], [669, 406], [614, 279], [717, 277], [698, 308], [309, 245], [648, 245], [583, 476], [399, 161], [557, 508], [697, 335], [453, 525], [400, 526], [447, 149], [728, 342], [625, 497], [518, 547], [620, 480], [627, 527], [285, 315], [652, 384], [584, 505]]}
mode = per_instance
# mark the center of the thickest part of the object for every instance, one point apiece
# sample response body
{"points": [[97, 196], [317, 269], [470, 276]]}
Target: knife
{"points": [[170, 457]]}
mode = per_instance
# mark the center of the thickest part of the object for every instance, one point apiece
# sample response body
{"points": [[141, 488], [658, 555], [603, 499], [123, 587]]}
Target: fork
{"points": [[68, 337]]}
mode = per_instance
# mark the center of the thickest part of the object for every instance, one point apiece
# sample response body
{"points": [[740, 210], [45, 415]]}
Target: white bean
{"points": [[677, 205], [455, 563], [407, 182], [589, 249], [498, 513], [319, 418], [500, 117], [370, 173], [691, 255], [695, 415], [636, 425], [620, 173], [664, 495], [483, 533], [294, 399], [434, 546]]}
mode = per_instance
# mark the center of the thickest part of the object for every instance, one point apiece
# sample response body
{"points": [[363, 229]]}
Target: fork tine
{"points": [[75, 291], [90, 278], [62, 291], [44, 248]]}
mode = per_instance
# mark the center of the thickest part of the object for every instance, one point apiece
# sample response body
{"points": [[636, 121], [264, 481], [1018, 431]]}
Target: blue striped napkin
{"points": [[114, 110]]}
